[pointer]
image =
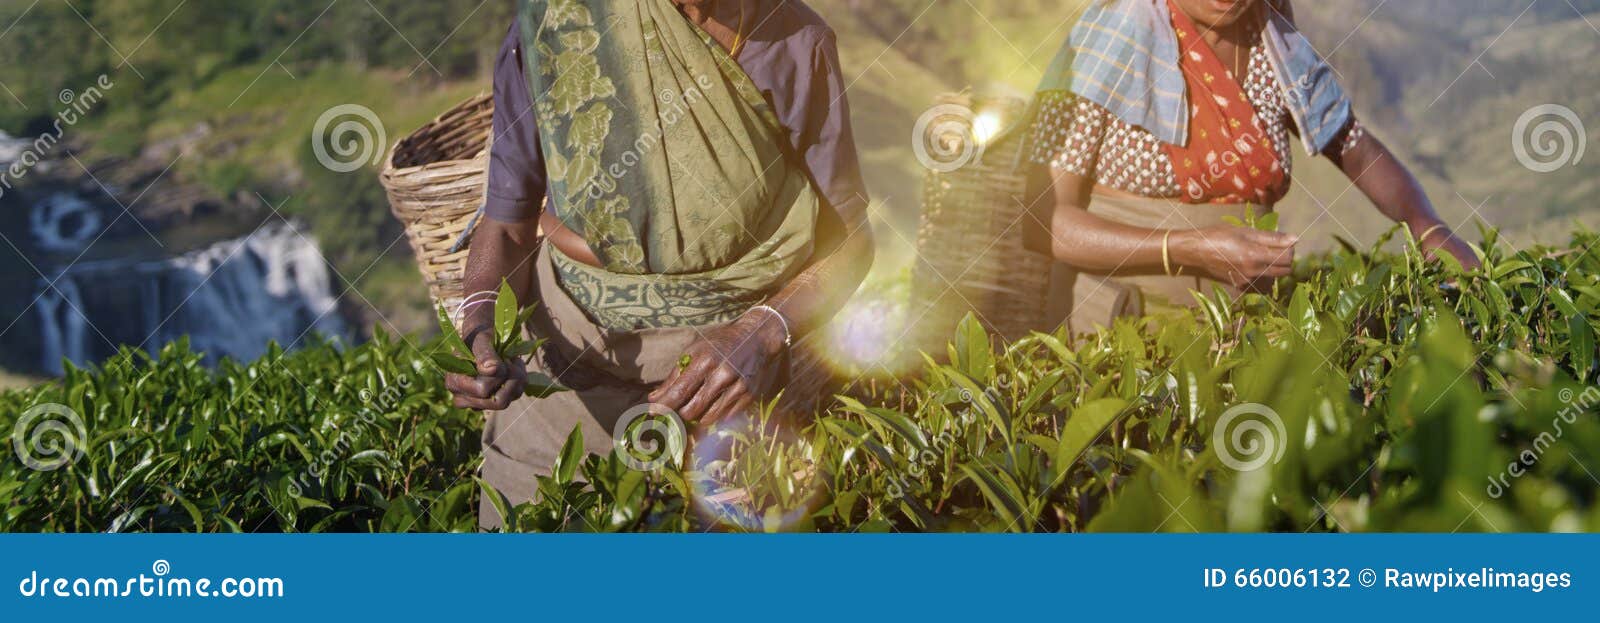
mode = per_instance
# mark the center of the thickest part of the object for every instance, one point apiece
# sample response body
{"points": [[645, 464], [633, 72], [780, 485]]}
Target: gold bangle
{"points": [[1429, 232], [1166, 253]]}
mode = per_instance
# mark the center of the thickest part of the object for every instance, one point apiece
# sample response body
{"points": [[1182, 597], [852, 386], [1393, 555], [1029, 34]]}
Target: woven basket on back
{"points": [[970, 253], [435, 179]]}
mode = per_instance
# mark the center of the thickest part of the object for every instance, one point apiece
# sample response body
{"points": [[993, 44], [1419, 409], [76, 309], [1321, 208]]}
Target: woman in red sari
{"points": [[1141, 220]]}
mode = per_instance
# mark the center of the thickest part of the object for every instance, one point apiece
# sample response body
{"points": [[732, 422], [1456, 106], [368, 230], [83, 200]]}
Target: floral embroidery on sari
{"points": [[666, 157]]}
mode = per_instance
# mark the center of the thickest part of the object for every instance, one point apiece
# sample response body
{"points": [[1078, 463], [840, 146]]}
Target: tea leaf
{"points": [[1083, 426], [1002, 496], [506, 329], [896, 422], [452, 338], [1582, 346], [457, 365], [972, 352], [542, 386], [570, 457]]}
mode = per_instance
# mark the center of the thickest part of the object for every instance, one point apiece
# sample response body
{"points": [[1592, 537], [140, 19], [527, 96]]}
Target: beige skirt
{"points": [[1086, 301], [609, 373]]}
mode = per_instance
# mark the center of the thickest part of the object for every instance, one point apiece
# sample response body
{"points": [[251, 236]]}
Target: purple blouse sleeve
{"points": [[516, 162], [829, 144]]}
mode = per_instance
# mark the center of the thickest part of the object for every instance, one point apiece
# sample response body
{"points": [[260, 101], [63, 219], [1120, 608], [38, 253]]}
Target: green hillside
{"points": [[227, 94], [236, 88], [1452, 92], [1409, 67]]}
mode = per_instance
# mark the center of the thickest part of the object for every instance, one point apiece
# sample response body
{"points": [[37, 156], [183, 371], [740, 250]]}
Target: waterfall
{"points": [[230, 299], [10, 148], [62, 326], [64, 222]]}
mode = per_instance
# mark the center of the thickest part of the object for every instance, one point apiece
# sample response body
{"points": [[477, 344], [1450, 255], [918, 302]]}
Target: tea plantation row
{"points": [[1372, 391]]}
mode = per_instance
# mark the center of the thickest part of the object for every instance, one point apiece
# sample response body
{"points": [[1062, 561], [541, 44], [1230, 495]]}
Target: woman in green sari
{"points": [[704, 211]]}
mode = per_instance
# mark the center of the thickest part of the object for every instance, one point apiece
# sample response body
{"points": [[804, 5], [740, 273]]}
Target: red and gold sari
{"points": [[1228, 158]]}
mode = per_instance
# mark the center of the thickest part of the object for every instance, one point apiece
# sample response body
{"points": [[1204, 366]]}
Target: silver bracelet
{"points": [[469, 302], [788, 337]]}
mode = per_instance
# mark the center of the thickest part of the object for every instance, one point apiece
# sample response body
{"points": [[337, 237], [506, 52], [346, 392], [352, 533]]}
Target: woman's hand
{"points": [[726, 370], [498, 383], [499, 254], [1398, 195], [1435, 237], [1235, 255]]}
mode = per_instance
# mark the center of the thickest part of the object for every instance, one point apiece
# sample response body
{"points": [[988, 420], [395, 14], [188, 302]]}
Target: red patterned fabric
{"points": [[1229, 157]]}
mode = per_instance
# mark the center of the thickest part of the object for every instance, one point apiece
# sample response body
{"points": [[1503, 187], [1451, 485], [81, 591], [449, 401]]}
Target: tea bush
{"points": [[1373, 391], [1386, 392], [320, 439]]}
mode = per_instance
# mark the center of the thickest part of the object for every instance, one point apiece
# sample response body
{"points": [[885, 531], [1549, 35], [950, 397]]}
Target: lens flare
{"points": [[741, 449], [871, 330], [986, 126], [869, 335]]}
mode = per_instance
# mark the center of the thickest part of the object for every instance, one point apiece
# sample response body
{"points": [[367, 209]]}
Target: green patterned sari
{"points": [[662, 153]]}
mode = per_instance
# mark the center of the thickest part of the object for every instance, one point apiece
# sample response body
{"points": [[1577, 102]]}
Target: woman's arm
{"points": [[815, 295], [506, 237], [734, 365], [1397, 194], [499, 251], [1068, 133], [1236, 255]]}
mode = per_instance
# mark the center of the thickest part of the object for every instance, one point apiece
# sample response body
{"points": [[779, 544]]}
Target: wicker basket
{"points": [[435, 179], [970, 253]]}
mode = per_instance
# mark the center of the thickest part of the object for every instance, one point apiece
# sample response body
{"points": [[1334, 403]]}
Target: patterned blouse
{"points": [[1083, 138]]}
